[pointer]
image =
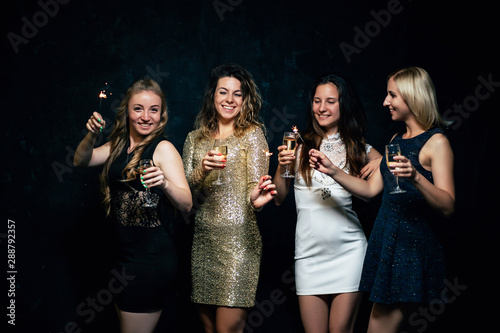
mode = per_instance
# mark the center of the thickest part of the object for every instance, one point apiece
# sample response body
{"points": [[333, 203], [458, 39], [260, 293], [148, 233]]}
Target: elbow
{"points": [[278, 200], [77, 163], [80, 162], [186, 207], [448, 212], [366, 197]]}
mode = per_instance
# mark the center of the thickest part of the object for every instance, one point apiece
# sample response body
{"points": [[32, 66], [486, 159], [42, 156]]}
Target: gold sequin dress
{"points": [[227, 245]]}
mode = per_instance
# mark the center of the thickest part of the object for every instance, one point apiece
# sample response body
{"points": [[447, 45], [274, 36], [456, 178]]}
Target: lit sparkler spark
{"points": [[104, 94], [295, 130], [268, 154]]}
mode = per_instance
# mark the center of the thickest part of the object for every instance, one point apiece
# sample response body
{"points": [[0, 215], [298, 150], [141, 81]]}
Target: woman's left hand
{"points": [[263, 192], [154, 177], [403, 168]]}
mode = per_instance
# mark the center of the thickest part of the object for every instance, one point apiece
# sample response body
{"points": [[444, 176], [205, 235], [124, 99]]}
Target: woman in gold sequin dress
{"points": [[227, 245]]}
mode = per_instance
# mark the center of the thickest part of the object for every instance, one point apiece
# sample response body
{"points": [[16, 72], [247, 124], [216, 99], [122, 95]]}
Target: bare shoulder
{"points": [[165, 150], [437, 143], [165, 145]]}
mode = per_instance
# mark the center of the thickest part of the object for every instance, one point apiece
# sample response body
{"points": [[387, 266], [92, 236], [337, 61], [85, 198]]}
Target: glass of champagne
{"points": [[290, 141], [392, 150], [223, 150], [143, 165]]}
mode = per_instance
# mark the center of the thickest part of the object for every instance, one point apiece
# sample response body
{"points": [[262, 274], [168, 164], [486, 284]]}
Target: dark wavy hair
{"points": [[119, 137], [352, 126], [248, 118]]}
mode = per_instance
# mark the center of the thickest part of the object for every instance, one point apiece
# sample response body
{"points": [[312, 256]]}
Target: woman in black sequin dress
{"points": [[404, 263], [147, 254]]}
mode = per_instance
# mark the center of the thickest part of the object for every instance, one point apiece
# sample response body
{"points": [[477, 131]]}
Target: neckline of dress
{"points": [[333, 137], [416, 136]]}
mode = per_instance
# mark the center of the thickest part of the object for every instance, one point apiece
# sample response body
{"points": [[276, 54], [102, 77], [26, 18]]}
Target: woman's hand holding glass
{"points": [[403, 168], [153, 177], [285, 157], [215, 159]]}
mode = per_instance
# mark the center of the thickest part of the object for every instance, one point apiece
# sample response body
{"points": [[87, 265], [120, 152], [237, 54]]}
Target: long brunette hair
{"points": [[247, 119], [352, 126], [119, 137]]}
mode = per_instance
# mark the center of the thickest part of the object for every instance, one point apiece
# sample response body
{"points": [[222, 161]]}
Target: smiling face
{"points": [[326, 109], [144, 113], [228, 99], [396, 103]]}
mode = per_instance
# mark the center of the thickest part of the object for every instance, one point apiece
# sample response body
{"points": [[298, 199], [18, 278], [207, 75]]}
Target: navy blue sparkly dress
{"points": [[404, 261]]}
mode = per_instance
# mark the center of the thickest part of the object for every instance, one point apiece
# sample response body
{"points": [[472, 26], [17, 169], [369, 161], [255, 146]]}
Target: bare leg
{"points": [[385, 318], [207, 315], [314, 311], [230, 320], [343, 312], [222, 319], [131, 322]]}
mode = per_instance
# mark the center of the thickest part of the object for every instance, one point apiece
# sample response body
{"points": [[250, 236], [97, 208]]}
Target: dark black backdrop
{"points": [[57, 56]]}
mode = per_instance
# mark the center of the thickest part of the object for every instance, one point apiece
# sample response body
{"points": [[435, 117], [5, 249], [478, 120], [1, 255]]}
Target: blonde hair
{"points": [[247, 119], [417, 89], [119, 137]]}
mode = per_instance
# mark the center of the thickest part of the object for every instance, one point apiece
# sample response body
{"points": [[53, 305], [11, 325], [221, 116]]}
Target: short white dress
{"points": [[330, 244]]}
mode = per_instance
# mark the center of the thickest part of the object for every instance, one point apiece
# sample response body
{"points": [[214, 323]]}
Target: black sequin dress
{"points": [[404, 262], [147, 254]]}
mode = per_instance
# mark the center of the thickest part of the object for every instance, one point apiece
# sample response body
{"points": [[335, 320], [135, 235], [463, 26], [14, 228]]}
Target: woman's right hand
{"points": [[285, 157], [213, 160], [96, 123], [319, 161]]}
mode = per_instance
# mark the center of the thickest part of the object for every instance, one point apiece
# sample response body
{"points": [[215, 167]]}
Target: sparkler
{"points": [[295, 130], [103, 94], [268, 154]]}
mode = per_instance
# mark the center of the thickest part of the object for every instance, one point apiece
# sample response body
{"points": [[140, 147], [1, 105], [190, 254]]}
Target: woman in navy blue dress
{"points": [[404, 263]]}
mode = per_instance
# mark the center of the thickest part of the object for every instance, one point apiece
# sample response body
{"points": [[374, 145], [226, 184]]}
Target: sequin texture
{"points": [[227, 245]]}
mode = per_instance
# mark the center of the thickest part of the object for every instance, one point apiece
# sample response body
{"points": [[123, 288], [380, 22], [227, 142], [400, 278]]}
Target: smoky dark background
{"points": [[58, 56]]}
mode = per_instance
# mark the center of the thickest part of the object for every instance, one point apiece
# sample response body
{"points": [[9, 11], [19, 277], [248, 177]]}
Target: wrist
{"points": [[415, 177], [165, 185], [332, 171]]}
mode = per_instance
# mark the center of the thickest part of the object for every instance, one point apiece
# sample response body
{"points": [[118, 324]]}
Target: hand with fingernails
{"points": [[96, 123], [404, 168], [263, 192], [152, 177], [213, 160]]}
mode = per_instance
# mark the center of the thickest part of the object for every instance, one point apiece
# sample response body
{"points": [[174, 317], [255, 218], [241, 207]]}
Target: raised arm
{"points": [[86, 155]]}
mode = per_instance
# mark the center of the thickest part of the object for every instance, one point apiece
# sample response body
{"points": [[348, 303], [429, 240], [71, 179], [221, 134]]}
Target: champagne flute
{"points": [[392, 150], [223, 150], [290, 141], [143, 165]]}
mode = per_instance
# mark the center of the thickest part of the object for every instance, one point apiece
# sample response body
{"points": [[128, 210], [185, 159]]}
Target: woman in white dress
{"points": [[330, 243]]}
